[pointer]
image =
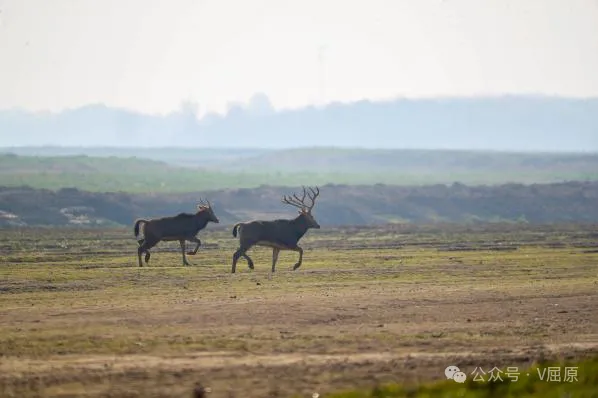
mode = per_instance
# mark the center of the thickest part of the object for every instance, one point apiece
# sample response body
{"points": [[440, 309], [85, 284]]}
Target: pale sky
{"points": [[150, 55]]}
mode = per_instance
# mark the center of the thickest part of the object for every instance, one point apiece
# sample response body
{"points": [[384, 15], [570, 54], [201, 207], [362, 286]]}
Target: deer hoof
{"points": [[296, 266]]}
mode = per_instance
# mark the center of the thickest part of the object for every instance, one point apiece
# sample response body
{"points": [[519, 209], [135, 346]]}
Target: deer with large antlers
{"points": [[182, 227], [279, 234]]}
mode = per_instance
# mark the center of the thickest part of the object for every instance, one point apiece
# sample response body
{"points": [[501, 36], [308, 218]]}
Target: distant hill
{"points": [[101, 174], [14, 164], [177, 156], [498, 123], [307, 166], [337, 205], [418, 162]]}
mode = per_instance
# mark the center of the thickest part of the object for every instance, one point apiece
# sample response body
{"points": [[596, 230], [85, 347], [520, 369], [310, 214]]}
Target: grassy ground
{"points": [[369, 306]]}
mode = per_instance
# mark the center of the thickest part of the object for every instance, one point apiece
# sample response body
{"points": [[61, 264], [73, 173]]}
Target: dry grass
{"points": [[79, 318]]}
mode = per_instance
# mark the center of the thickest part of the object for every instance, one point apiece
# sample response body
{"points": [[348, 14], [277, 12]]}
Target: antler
{"points": [[295, 201], [300, 203], [312, 197], [204, 203]]}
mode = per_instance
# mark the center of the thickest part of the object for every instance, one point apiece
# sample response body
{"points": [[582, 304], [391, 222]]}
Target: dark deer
{"points": [[277, 234], [182, 227]]}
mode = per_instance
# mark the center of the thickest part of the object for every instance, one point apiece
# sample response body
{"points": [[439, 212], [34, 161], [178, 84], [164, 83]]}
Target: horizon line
{"points": [[292, 148], [234, 104]]}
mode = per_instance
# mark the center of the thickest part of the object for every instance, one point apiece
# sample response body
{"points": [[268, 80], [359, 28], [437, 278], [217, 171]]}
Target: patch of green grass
{"points": [[186, 180], [134, 175], [536, 385]]}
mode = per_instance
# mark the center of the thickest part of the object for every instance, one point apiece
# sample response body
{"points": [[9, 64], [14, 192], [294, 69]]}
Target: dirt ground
{"points": [[359, 312]]}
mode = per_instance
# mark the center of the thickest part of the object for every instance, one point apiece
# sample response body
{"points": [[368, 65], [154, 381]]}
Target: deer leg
{"points": [[275, 252], [197, 242], [236, 256], [249, 261], [241, 253], [140, 242], [300, 250], [139, 251], [182, 243], [144, 248]]}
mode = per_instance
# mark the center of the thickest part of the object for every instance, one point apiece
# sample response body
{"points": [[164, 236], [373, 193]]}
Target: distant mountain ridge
{"points": [[520, 123]]}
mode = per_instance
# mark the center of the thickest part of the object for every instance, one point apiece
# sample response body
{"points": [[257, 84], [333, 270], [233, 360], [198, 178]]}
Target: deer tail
{"points": [[235, 228], [137, 223]]}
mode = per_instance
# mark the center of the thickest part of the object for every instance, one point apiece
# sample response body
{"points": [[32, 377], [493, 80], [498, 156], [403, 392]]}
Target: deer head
{"points": [[205, 206], [304, 208]]}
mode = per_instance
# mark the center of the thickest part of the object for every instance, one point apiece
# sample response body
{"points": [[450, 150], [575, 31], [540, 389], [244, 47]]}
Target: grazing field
{"points": [[369, 306]]}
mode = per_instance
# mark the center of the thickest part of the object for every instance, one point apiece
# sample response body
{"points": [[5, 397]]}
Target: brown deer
{"points": [[182, 227], [278, 234]]}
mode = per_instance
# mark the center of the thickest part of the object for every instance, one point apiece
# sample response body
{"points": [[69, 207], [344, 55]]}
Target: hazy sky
{"points": [[150, 55]]}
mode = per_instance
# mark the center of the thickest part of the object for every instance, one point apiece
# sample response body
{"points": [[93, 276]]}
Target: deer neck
{"points": [[201, 220], [301, 225]]}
